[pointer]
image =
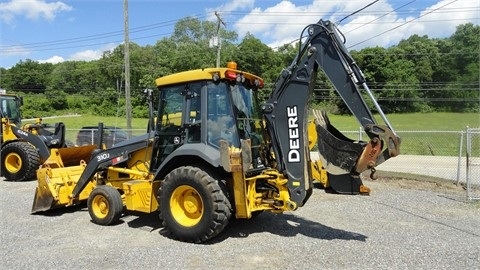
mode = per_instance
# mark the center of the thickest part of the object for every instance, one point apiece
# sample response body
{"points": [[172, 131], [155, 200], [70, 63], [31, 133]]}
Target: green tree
{"points": [[164, 52], [63, 77], [255, 57], [111, 66], [28, 76], [465, 47], [57, 99], [192, 43], [465, 51], [418, 74], [423, 52], [456, 77], [4, 78]]}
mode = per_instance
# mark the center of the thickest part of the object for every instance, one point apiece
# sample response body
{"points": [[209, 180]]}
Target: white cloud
{"points": [[229, 7], [53, 60], [89, 55], [31, 9], [283, 22], [384, 23], [86, 55], [437, 21]]}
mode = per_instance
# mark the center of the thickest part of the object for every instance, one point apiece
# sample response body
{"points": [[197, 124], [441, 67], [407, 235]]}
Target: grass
{"points": [[79, 121], [401, 122], [433, 134], [444, 142], [416, 121], [75, 122]]}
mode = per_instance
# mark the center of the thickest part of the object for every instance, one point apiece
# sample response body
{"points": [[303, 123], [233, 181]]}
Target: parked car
{"points": [[111, 135]]}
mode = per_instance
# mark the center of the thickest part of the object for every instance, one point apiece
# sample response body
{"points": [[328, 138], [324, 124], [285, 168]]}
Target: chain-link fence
{"points": [[432, 153], [88, 135], [451, 155], [472, 163]]}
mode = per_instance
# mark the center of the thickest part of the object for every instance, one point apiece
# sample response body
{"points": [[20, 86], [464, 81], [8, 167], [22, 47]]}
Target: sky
{"points": [[64, 30]]}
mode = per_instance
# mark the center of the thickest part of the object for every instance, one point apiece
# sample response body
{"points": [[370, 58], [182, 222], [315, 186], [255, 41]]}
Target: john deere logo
{"points": [[293, 136]]}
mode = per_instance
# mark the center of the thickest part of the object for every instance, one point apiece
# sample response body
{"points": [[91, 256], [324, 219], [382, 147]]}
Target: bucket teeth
{"points": [[321, 118]]}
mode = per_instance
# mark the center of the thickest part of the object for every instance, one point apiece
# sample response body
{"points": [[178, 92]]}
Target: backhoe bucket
{"points": [[58, 177], [338, 155]]}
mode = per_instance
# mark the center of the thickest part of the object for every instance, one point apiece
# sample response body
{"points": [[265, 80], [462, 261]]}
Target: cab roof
{"points": [[205, 74]]}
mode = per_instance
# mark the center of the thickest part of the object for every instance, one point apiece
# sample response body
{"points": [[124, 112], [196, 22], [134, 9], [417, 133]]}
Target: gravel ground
{"points": [[403, 224]]}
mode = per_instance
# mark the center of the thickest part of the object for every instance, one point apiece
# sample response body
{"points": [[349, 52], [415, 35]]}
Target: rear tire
{"points": [[20, 161], [193, 205], [105, 205]]}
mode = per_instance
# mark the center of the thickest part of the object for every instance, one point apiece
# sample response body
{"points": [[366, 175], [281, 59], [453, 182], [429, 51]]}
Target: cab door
{"points": [[179, 119]]}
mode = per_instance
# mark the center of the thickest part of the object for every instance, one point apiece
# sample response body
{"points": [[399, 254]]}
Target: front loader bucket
{"points": [[55, 186], [58, 177], [338, 155], [70, 156]]}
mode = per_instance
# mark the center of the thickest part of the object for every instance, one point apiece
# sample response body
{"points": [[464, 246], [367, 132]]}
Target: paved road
{"points": [[438, 166], [401, 225]]}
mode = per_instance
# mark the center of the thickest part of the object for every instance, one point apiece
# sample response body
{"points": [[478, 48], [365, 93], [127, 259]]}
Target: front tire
{"points": [[105, 205], [20, 161], [193, 205]]}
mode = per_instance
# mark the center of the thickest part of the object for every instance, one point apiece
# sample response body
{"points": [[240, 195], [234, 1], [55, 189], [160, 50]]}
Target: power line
{"points": [[172, 22], [118, 33], [339, 13], [379, 17], [406, 22], [353, 23], [344, 18]]}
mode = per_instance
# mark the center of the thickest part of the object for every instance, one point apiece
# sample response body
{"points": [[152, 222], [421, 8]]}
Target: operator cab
{"points": [[10, 108], [207, 106]]}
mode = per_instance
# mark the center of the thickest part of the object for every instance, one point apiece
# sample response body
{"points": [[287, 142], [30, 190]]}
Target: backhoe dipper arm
{"points": [[286, 111]]}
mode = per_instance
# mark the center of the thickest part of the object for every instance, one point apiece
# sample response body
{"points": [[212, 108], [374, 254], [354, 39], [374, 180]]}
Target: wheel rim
{"points": [[13, 162], [100, 206], [186, 206]]}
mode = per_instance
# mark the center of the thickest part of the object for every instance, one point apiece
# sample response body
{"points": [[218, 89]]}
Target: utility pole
{"points": [[219, 43], [128, 103]]}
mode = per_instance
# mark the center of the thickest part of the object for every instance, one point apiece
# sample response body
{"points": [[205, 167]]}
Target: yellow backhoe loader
{"points": [[23, 148], [215, 152]]}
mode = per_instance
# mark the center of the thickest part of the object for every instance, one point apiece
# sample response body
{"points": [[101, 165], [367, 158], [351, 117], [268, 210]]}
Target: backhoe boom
{"points": [[287, 112]]}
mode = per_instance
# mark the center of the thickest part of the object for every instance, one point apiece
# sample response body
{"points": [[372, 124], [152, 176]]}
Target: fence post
{"points": [[471, 187], [360, 133], [459, 157], [467, 156]]}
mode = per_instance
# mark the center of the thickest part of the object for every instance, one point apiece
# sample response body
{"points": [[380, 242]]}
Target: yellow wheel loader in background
{"points": [[215, 152], [23, 148]]}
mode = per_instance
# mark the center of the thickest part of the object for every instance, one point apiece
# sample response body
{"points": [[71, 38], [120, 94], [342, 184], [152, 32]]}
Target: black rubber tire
{"points": [[209, 209], [20, 161], [105, 205]]}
